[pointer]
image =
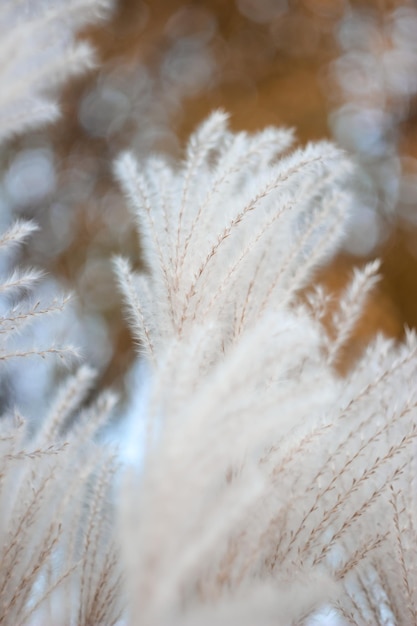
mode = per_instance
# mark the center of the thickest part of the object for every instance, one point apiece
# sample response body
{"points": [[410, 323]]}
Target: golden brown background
{"points": [[163, 65]]}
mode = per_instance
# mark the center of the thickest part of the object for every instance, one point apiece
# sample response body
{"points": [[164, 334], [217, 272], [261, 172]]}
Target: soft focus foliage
{"points": [[49, 29], [270, 490], [326, 67], [56, 519], [58, 555], [263, 472]]}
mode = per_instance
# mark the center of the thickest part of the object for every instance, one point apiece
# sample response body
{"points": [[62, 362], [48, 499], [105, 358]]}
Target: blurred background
{"points": [[339, 69]]}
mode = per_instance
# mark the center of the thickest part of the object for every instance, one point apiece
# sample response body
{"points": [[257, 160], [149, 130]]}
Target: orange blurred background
{"points": [[336, 69]]}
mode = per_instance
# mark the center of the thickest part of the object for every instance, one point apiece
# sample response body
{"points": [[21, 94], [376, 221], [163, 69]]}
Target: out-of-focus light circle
{"points": [[95, 340], [404, 28], [358, 73], [357, 31], [195, 24], [361, 130], [30, 177], [103, 110], [364, 231], [400, 68], [408, 190], [62, 226], [5, 211], [262, 11], [387, 175], [187, 68]]}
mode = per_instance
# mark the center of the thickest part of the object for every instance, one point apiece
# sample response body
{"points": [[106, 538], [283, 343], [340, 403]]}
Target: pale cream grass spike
{"points": [[270, 487], [265, 473], [59, 557], [58, 553], [38, 52], [21, 312], [203, 237]]}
